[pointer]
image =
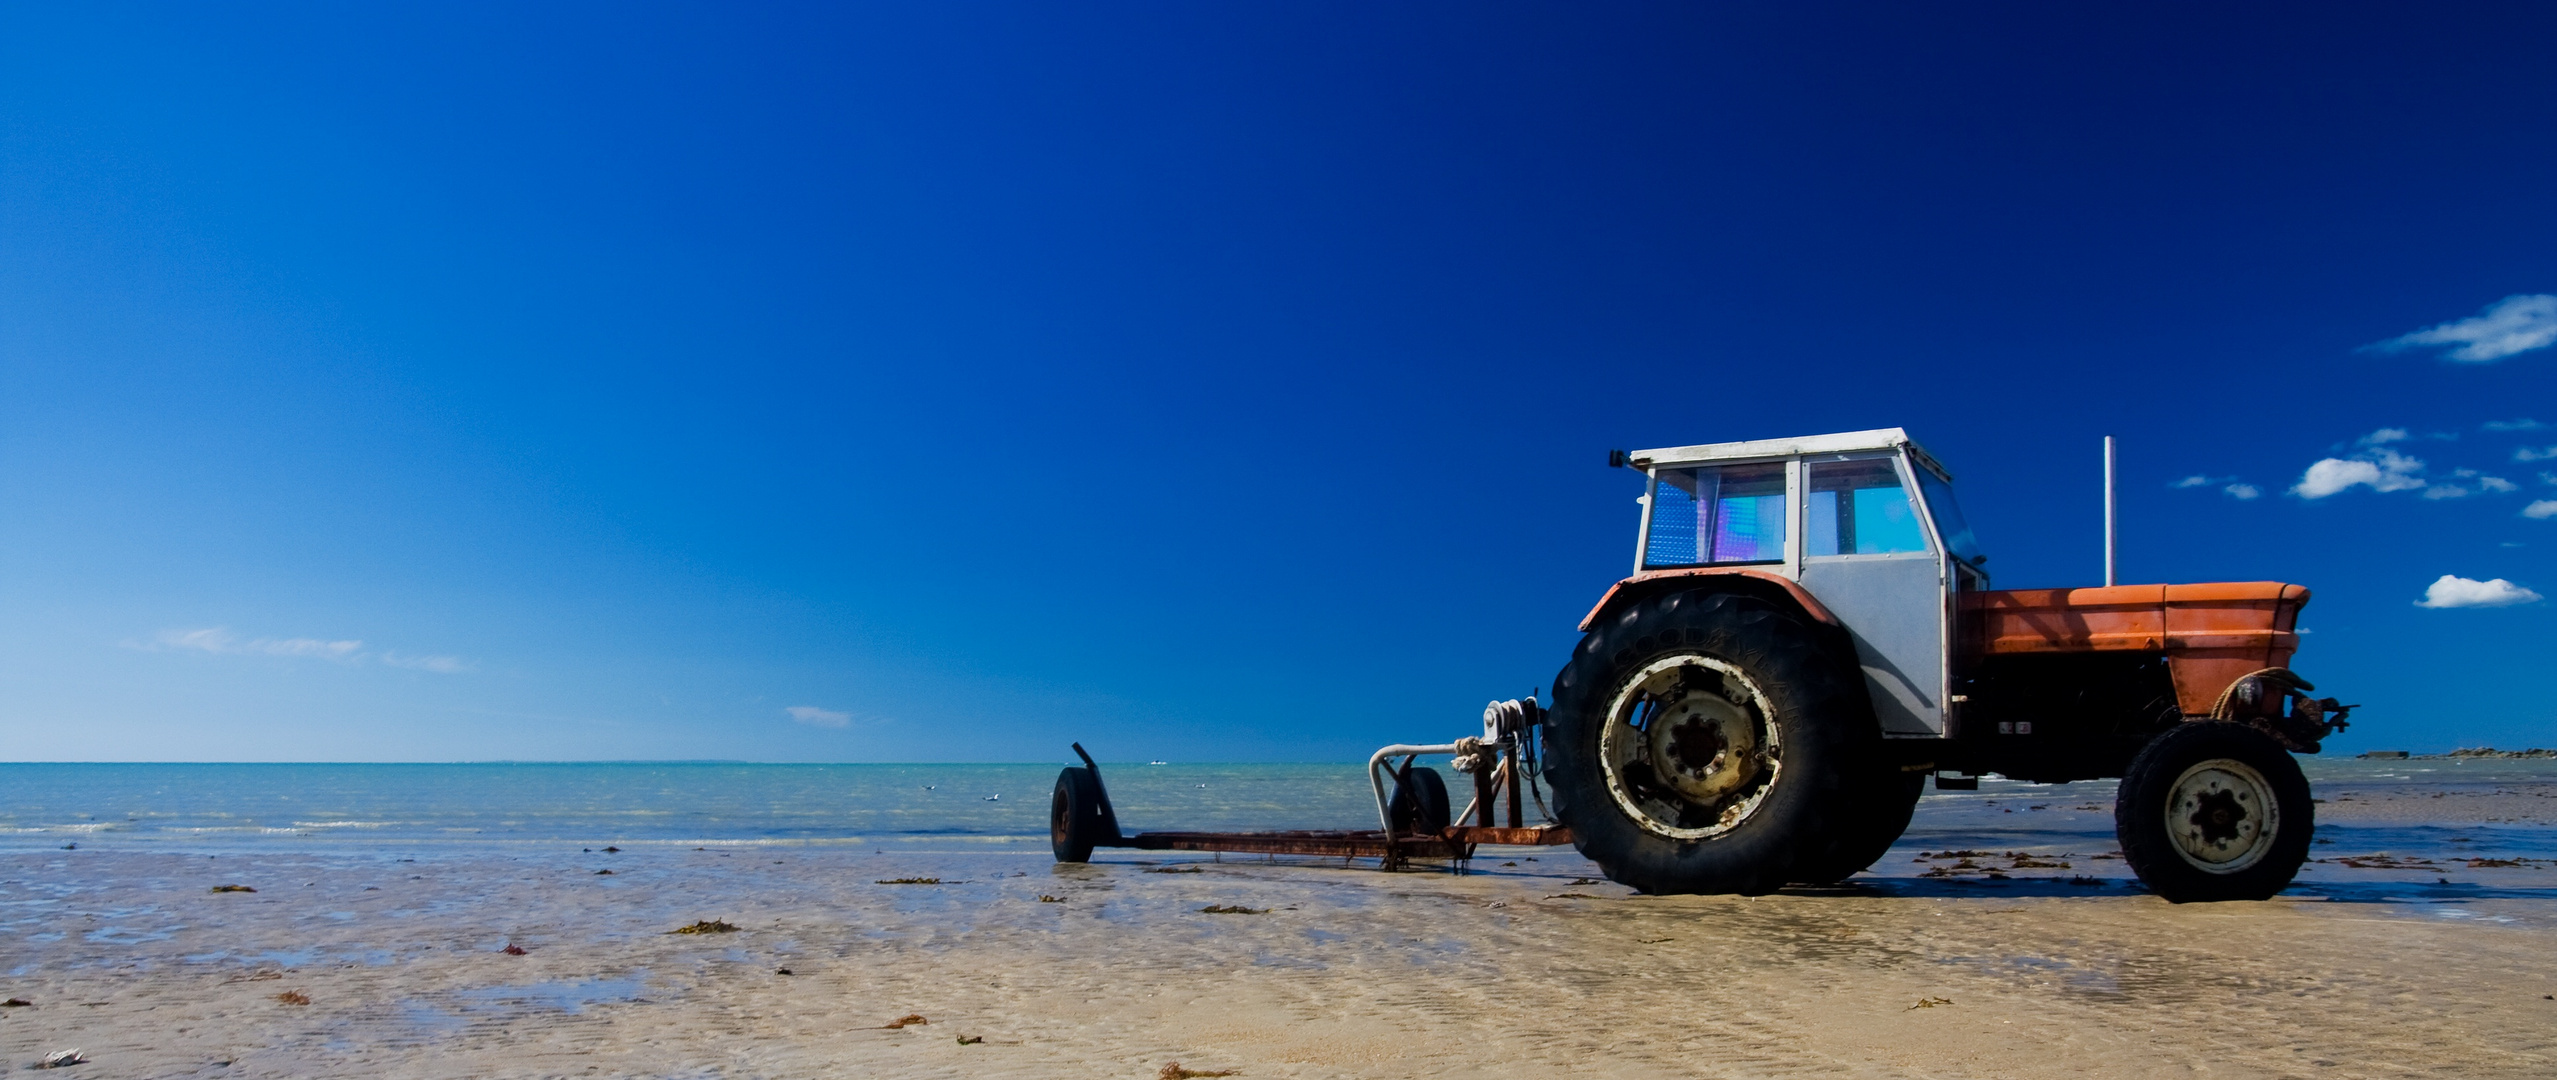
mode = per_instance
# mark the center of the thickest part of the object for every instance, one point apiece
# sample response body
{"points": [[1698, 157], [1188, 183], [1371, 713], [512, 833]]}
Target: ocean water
{"points": [[955, 807], [991, 808]]}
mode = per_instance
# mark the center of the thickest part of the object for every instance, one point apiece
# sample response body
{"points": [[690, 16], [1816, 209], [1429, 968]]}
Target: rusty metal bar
{"points": [[1532, 836], [1353, 845]]}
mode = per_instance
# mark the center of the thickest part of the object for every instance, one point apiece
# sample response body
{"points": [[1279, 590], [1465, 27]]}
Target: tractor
{"points": [[1809, 633], [1807, 636]]}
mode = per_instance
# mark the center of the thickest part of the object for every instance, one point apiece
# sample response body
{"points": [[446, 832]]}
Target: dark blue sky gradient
{"points": [[1198, 381]]}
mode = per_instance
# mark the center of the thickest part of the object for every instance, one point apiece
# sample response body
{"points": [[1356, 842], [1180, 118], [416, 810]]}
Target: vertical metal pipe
{"points": [[2108, 510]]}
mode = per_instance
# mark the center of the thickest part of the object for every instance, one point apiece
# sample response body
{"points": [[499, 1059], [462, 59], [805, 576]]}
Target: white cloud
{"points": [[2453, 591], [2229, 485], [2529, 454], [2541, 510], [2380, 470], [2514, 324], [2496, 484], [2384, 436], [2524, 424], [816, 717], [441, 665], [221, 641]]}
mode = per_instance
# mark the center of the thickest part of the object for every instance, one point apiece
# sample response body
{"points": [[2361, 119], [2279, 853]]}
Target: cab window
{"points": [[1859, 508], [1717, 514]]}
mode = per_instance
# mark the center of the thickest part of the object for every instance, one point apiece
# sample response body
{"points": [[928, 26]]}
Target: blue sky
{"points": [[945, 382]]}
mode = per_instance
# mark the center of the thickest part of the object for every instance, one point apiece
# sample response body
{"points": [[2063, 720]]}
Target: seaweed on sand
{"points": [[233, 888], [293, 997], [1173, 1071], [915, 881], [1230, 909], [906, 1021], [706, 926]]}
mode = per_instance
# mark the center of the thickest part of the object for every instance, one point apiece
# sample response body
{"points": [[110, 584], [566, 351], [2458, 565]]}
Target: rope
{"points": [[2283, 677]]}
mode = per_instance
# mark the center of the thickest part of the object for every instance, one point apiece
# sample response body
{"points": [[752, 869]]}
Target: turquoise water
{"points": [[939, 807], [220, 807]]}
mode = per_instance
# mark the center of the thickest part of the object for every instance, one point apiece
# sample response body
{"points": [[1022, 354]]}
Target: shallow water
{"points": [[966, 807], [2435, 809]]}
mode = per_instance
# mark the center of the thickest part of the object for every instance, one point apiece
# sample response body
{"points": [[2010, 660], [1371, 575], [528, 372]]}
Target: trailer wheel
{"points": [[1420, 802], [2213, 810], [1076, 816], [1700, 743], [1881, 805]]}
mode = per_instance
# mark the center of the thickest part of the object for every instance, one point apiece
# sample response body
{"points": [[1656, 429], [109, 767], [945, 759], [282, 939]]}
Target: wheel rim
{"points": [[2222, 816], [1688, 748]]}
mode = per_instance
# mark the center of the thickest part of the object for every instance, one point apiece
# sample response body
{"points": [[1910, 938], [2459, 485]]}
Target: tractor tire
{"points": [[2214, 810], [1076, 821], [1885, 798], [1702, 742], [1419, 805]]}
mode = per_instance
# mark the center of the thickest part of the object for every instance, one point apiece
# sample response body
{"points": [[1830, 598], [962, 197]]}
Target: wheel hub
{"points": [[1688, 749], [1704, 746], [2222, 816]]}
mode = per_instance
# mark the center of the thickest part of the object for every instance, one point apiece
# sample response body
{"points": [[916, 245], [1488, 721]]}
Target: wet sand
{"points": [[2001, 969]]}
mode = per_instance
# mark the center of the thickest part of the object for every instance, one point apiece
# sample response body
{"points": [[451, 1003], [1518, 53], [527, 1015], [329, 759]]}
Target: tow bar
{"points": [[1413, 808]]}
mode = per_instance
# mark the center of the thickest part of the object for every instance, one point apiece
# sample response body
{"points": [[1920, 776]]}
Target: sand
{"points": [[1522, 969]]}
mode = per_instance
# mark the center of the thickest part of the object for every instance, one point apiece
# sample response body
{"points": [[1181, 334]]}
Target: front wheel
{"points": [[2214, 810]]}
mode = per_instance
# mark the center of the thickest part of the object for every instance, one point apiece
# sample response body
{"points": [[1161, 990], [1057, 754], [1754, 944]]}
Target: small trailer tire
{"points": [[2214, 810], [1420, 803], [1077, 819]]}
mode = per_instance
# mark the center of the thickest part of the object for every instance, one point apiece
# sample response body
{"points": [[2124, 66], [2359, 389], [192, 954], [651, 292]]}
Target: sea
{"points": [[416, 809]]}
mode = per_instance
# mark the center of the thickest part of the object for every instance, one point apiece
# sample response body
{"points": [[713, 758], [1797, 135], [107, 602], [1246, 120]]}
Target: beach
{"points": [[1998, 939]]}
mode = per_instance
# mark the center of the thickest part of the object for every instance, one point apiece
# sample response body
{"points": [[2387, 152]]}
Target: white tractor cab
{"points": [[1809, 633], [1862, 523]]}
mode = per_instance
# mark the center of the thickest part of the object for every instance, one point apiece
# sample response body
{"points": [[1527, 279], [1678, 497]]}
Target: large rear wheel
{"points": [[1701, 742], [1884, 799]]}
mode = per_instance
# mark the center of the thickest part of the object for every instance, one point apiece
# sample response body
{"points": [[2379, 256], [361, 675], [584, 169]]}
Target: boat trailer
{"points": [[1412, 810]]}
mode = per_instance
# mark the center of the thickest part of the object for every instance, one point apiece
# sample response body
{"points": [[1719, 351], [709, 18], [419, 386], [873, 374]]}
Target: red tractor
{"points": [[1809, 633]]}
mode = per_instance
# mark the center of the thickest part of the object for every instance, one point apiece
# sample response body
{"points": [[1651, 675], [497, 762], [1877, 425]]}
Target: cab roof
{"points": [[1843, 442]]}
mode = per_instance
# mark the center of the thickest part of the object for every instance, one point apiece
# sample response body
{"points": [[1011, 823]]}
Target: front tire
{"points": [[2214, 810], [1700, 743]]}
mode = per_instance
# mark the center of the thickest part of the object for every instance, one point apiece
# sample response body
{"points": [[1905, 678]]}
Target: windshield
{"points": [[1717, 514], [1948, 515]]}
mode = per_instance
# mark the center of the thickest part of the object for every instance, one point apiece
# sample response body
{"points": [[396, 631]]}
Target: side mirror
{"points": [[1615, 459]]}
